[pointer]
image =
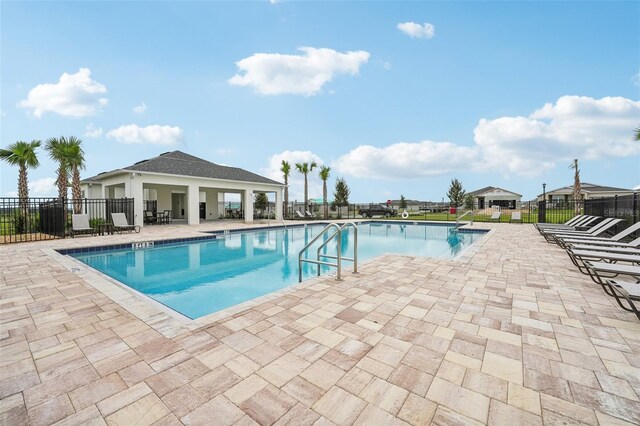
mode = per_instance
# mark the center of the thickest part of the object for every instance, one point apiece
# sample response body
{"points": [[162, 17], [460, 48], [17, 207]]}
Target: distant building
{"points": [[587, 191], [494, 196]]}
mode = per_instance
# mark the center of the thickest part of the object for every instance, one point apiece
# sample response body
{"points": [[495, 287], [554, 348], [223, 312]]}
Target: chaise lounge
{"points": [[120, 223], [80, 225]]}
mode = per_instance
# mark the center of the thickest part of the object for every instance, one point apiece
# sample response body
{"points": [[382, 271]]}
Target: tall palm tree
{"points": [[57, 148], [75, 160], [286, 170], [324, 175], [306, 168], [636, 135], [23, 155], [577, 198]]}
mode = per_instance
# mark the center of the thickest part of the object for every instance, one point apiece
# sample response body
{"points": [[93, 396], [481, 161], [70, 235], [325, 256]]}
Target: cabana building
{"points": [[493, 196], [189, 188]]}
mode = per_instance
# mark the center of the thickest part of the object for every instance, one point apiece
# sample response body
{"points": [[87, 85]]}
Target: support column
{"points": [[279, 204], [193, 205], [247, 205], [134, 190]]}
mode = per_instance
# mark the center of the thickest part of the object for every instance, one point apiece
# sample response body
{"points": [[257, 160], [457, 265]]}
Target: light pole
{"points": [[544, 192]]}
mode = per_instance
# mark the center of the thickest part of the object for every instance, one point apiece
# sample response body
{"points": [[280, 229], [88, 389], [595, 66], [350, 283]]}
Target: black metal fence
{"points": [[37, 219]]}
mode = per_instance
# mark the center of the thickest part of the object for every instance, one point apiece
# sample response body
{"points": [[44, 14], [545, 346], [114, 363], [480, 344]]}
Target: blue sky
{"points": [[396, 97]]}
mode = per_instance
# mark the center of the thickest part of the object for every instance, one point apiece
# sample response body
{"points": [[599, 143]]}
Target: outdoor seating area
{"points": [[158, 217]]}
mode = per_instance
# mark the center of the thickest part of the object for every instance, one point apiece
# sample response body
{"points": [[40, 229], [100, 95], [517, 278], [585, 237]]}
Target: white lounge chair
{"points": [[495, 217], [299, 215], [120, 223], [80, 225], [516, 217]]}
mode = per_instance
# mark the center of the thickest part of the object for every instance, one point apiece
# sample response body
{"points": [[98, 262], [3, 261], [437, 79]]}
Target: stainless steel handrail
{"points": [[318, 262], [460, 217], [275, 215], [354, 259]]}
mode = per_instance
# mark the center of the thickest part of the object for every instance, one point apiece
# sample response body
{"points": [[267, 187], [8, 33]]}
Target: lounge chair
{"points": [[299, 215], [516, 217], [600, 228], [620, 289], [120, 223], [579, 257], [582, 222], [309, 215], [150, 217], [606, 245], [563, 242], [495, 217], [80, 225]]}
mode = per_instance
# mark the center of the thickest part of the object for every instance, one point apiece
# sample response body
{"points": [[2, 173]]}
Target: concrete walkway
{"points": [[509, 333]]}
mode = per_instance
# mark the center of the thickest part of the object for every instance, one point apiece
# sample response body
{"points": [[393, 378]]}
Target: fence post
{"points": [[542, 211], [615, 206], [635, 214]]}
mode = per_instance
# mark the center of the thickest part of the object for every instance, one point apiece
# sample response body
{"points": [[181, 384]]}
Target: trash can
{"points": [[452, 210]]}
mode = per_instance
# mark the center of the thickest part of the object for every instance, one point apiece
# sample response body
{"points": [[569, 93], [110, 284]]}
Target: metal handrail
{"points": [[275, 215], [460, 217], [318, 262], [355, 247]]}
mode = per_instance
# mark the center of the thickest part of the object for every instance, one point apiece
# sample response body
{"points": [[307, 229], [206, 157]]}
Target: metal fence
{"points": [[37, 219]]}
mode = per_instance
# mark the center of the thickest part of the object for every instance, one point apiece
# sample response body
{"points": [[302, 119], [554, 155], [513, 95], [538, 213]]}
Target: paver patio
{"points": [[508, 333]]}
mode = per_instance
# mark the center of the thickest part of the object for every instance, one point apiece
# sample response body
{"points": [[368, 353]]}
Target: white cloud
{"points": [[305, 74], [414, 30], [154, 134], [296, 179], [636, 78], [140, 109], [574, 127], [636, 188], [405, 160], [75, 95], [92, 131]]}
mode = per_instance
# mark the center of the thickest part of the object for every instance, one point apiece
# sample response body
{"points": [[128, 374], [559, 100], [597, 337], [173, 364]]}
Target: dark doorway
{"points": [[203, 211]]}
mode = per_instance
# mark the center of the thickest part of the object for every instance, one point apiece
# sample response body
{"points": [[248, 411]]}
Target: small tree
{"points": [[468, 202], [456, 193], [577, 197], [341, 194], [403, 202], [261, 201]]}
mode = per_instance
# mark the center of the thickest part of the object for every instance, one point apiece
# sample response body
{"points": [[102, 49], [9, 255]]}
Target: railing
{"points": [[338, 257], [275, 215], [39, 219], [463, 215]]}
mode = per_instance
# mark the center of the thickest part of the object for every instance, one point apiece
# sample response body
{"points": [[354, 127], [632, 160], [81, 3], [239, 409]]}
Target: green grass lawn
{"points": [[553, 216]]}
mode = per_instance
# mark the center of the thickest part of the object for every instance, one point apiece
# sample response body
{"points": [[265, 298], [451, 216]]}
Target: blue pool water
{"points": [[199, 278]]}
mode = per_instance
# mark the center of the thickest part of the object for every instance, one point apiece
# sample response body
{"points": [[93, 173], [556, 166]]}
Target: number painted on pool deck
{"points": [[142, 245]]}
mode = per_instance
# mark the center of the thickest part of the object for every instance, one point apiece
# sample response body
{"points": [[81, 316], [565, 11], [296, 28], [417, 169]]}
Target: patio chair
{"points": [[600, 228], [168, 216], [563, 242], [579, 257], [628, 291], [299, 215], [120, 223], [495, 217], [578, 222], [309, 215], [150, 217], [80, 225], [516, 217], [607, 245]]}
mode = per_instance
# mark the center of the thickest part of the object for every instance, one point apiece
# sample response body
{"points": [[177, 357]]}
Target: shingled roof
{"points": [[591, 188], [487, 189], [179, 163]]}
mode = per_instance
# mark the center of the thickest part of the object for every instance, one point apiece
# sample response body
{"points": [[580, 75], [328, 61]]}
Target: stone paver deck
{"points": [[509, 333]]}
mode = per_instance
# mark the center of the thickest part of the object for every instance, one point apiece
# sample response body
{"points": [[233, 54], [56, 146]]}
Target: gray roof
{"points": [[591, 188], [179, 163], [489, 189]]}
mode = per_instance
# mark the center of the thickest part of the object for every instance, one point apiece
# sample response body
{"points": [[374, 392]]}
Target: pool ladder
{"points": [[338, 257], [275, 215], [460, 217]]}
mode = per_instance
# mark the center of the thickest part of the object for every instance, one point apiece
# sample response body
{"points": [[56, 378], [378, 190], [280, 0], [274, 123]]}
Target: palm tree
{"points": [[286, 169], [577, 198], [306, 168], [58, 148], [636, 135], [324, 175], [23, 155], [75, 160]]}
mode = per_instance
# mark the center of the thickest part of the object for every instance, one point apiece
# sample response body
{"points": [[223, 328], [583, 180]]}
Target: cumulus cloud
{"points": [[406, 160], [304, 74], [296, 179], [92, 131], [573, 127], [140, 109], [414, 30], [74, 95], [39, 187], [154, 134]]}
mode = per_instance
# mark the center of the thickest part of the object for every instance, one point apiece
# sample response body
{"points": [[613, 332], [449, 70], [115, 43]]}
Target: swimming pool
{"points": [[197, 278]]}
